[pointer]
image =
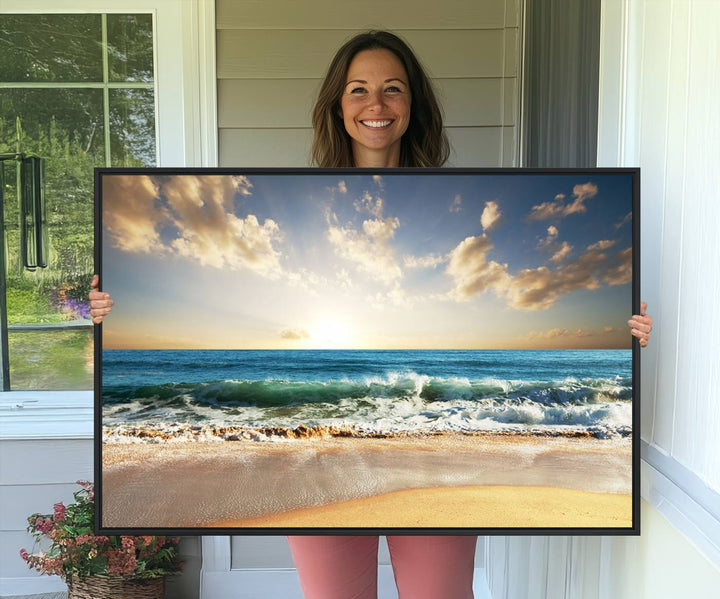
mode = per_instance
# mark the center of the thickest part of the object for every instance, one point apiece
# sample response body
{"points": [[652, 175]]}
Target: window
{"points": [[77, 90]]}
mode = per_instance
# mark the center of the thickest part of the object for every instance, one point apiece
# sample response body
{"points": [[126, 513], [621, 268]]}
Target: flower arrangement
{"points": [[75, 552]]}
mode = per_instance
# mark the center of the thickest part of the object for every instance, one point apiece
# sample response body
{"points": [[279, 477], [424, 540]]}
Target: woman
{"points": [[376, 108]]}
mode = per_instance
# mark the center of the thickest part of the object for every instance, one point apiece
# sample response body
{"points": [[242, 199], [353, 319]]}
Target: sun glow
{"points": [[330, 334]]}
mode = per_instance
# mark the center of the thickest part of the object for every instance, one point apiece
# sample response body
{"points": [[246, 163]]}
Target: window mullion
{"points": [[106, 89]]}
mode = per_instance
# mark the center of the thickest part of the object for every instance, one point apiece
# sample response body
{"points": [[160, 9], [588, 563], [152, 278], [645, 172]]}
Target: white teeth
{"points": [[376, 123]]}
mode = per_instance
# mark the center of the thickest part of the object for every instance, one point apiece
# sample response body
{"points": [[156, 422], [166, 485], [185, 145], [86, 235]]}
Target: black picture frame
{"points": [[125, 492]]}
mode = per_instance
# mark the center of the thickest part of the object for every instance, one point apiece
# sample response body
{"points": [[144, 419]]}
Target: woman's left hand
{"points": [[641, 325]]}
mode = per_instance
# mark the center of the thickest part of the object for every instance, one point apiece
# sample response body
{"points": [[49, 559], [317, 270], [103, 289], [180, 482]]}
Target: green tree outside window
{"points": [[81, 87]]}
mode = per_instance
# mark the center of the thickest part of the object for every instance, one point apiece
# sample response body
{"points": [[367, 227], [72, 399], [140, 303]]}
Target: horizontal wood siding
{"points": [[34, 476], [331, 14], [271, 58]]}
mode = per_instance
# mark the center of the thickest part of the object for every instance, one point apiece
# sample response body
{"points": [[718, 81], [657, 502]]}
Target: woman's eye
{"points": [[357, 90], [393, 89]]}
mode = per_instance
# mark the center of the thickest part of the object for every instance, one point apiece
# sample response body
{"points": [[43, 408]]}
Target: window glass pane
{"points": [[51, 118], [50, 334], [130, 47], [50, 48], [52, 360], [132, 127]]}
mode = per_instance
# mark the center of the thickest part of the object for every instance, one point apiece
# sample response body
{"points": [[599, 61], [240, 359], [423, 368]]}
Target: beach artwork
{"points": [[391, 350]]}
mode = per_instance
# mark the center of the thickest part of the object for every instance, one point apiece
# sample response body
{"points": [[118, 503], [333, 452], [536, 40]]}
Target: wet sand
{"points": [[431, 481]]}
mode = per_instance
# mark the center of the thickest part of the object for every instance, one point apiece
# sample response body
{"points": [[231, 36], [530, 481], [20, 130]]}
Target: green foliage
{"points": [[76, 552]]}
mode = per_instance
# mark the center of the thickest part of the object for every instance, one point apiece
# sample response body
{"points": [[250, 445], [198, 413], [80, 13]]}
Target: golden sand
{"points": [[469, 507]]}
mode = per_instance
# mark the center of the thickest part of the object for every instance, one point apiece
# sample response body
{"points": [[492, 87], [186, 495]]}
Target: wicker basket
{"points": [[116, 587]]}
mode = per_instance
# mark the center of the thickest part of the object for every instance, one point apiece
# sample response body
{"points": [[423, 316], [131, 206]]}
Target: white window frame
{"points": [[186, 129]]}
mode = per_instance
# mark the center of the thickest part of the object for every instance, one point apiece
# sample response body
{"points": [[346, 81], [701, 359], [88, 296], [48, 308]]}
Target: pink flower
{"points": [[59, 509], [128, 542], [121, 562], [44, 526], [24, 555]]}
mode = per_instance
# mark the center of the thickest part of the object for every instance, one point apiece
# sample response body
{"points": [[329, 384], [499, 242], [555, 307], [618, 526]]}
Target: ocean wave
{"points": [[276, 393]]}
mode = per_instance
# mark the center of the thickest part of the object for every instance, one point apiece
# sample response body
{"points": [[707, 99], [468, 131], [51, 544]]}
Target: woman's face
{"points": [[375, 107]]}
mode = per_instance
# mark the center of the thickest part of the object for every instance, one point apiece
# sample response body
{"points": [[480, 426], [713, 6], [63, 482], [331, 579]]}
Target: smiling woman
{"points": [[376, 108]]}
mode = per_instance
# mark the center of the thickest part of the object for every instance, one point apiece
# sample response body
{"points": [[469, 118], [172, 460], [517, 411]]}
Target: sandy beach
{"points": [[446, 480], [453, 507]]}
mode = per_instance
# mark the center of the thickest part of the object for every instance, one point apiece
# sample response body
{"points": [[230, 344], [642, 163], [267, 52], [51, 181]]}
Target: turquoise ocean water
{"points": [[555, 391]]}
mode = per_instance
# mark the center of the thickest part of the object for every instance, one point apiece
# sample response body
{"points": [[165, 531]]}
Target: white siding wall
{"points": [[272, 56], [34, 475], [660, 84]]}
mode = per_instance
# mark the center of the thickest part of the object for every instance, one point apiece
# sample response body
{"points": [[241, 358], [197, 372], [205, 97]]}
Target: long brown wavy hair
{"points": [[423, 144]]}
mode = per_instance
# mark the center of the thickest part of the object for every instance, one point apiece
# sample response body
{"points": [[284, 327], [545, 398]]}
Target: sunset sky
{"points": [[309, 261]]}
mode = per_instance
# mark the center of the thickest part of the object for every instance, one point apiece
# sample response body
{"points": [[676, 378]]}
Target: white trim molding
{"points": [[43, 415], [688, 504]]}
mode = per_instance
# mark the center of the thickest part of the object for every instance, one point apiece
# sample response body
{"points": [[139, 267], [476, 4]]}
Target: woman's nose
{"points": [[376, 99]]}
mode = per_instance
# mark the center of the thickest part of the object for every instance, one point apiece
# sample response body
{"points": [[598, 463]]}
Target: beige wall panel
{"points": [[510, 146], [470, 146], [258, 103], [265, 147], [375, 14], [277, 103], [512, 52], [471, 102], [512, 13], [511, 109], [475, 146], [282, 54]]}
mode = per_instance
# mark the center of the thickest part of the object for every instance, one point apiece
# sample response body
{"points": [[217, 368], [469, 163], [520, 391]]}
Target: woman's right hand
{"points": [[100, 302]]}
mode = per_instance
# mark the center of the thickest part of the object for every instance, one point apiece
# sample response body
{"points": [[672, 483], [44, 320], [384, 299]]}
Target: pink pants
{"points": [[345, 567]]}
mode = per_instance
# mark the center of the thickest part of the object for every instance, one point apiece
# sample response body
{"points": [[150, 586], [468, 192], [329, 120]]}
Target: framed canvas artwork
{"points": [[367, 351]]}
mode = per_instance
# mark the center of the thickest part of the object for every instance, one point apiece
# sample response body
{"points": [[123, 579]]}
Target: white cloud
{"points": [[456, 205], [552, 234], [491, 216], [619, 271], [472, 271], [372, 206], [555, 333], [601, 245], [625, 219], [209, 232], [559, 251], [562, 252], [531, 288], [131, 216], [429, 261], [198, 221], [369, 249], [557, 208], [341, 187], [294, 334]]}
